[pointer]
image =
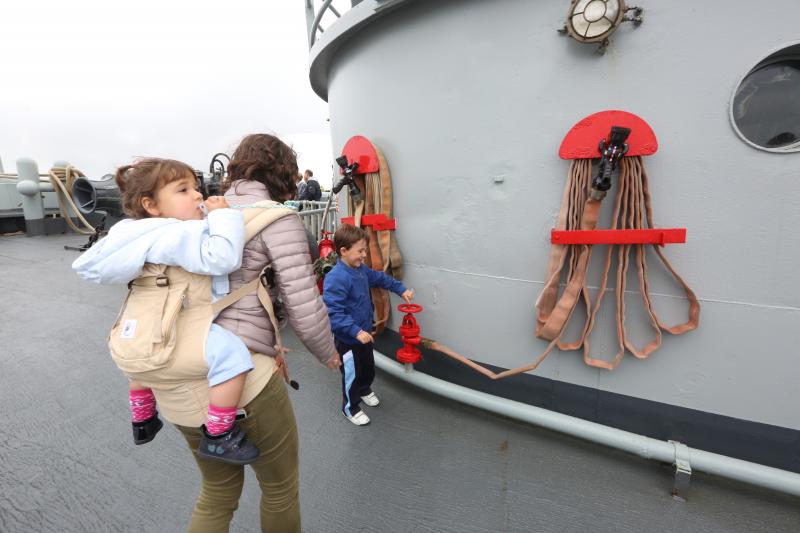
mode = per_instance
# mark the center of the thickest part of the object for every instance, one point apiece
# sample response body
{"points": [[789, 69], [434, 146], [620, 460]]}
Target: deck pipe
{"points": [[649, 448], [29, 188]]}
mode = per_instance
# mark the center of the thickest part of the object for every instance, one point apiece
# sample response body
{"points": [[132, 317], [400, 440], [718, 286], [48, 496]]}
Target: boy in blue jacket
{"points": [[347, 295]]}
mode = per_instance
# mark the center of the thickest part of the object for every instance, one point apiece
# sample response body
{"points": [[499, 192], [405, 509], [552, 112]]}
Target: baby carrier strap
{"points": [[260, 215], [167, 306], [259, 286], [256, 218], [152, 276]]}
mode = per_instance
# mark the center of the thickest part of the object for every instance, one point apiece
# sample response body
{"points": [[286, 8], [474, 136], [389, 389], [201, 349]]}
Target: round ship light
{"points": [[593, 21]]}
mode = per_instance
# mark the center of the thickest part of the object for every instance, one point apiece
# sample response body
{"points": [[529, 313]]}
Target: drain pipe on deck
{"points": [[681, 456]]}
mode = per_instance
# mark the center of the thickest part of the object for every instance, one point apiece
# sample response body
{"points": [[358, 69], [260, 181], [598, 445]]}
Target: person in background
{"points": [[313, 192], [301, 187]]}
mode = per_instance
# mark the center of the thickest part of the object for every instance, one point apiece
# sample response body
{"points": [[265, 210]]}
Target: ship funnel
{"points": [[97, 195]]}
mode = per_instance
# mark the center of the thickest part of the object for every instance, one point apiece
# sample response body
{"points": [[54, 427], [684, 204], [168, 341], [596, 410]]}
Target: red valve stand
{"points": [[409, 332], [326, 248]]}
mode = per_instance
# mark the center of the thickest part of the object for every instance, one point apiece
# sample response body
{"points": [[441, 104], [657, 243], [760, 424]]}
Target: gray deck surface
{"points": [[425, 464]]}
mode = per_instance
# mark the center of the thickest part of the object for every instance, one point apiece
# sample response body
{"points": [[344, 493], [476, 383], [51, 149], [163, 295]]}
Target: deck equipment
{"points": [[372, 209], [629, 139]]}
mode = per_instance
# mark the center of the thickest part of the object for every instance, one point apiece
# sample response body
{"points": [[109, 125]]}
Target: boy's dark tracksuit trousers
{"points": [[358, 372]]}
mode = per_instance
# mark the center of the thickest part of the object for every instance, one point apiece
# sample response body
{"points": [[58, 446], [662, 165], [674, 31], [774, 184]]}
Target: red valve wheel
{"points": [[409, 333]]}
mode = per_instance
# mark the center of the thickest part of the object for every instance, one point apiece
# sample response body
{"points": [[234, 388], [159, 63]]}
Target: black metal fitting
{"points": [[611, 150], [349, 171]]}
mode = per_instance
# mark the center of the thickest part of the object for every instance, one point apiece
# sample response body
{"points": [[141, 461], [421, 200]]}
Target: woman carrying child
{"points": [[263, 168], [182, 390], [168, 227]]}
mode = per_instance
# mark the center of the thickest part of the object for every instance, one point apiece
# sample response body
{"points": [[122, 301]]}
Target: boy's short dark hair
{"points": [[347, 235]]}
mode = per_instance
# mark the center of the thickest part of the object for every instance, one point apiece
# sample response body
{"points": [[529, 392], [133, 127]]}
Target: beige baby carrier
{"points": [[160, 334]]}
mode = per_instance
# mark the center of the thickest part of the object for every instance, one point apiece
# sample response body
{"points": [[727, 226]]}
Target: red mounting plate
{"points": [[582, 140], [660, 236], [360, 150], [378, 221]]}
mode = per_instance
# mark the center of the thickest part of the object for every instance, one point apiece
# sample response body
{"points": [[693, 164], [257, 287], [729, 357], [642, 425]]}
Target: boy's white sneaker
{"points": [[359, 419], [370, 399]]}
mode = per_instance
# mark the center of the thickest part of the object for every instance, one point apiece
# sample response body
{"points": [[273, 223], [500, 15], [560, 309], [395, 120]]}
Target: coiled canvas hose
{"points": [[632, 210], [63, 178], [383, 252]]}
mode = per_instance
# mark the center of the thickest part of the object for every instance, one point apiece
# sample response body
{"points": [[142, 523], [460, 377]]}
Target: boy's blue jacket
{"points": [[346, 294]]}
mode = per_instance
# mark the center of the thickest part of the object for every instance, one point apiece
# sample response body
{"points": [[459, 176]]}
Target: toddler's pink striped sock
{"points": [[220, 419], [143, 405]]}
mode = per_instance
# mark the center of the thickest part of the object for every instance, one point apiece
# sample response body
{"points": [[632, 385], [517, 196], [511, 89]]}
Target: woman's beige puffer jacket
{"points": [[284, 245]]}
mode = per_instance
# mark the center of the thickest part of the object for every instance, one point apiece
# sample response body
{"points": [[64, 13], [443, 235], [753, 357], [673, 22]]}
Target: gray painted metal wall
{"points": [[469, 101]]}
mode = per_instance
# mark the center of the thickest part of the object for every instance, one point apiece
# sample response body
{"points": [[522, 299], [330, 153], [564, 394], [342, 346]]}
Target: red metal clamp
{"points": [[409, 331], [378, 221], [660, 236]]}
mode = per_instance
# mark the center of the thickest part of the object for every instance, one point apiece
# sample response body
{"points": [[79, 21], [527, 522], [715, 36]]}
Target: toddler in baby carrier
{"points": [[163, 338]]}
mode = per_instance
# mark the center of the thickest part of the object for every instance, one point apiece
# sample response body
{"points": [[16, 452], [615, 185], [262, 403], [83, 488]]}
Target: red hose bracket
{"points": [[660, 236], [378, 221]]}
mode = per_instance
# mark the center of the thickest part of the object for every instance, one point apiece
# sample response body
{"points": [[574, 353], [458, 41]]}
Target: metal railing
{"points": [[312, 214], [314, 16]]}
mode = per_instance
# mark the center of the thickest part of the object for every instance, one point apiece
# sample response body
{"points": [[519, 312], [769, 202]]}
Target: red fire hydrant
{"points": [[409, 331], [326, 248], [326, 244]]}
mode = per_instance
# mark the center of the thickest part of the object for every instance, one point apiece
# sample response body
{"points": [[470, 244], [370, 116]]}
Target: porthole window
{"points": [[766, 106]]}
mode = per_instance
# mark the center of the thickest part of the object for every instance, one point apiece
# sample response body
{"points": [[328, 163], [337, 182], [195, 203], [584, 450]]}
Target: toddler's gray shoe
{"points": [[231, 447]]}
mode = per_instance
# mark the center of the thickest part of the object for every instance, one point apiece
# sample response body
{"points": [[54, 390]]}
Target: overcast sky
{"points": [[98, 83]]}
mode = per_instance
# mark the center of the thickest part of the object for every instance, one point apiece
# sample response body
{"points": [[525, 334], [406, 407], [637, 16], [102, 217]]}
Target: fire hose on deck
{"points": [[631, 228], [369, 200], [579, 214]]}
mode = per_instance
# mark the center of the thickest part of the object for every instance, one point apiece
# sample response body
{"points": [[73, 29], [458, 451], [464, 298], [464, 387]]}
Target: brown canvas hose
{"points": [[632, 210], [383, 252]]}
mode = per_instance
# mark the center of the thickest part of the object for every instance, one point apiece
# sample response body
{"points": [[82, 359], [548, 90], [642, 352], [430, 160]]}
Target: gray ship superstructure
{"points": [[469, 101]]}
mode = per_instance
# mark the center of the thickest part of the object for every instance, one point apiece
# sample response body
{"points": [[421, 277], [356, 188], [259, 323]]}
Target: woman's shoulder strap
{"points": [[260, 215]]}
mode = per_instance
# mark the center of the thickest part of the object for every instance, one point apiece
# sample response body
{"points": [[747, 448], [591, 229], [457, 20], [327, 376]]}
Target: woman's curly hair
{"points": [[265, 158]]}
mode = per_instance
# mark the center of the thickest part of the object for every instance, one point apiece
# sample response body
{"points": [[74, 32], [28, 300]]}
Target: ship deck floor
{"points": [[425, 464]]}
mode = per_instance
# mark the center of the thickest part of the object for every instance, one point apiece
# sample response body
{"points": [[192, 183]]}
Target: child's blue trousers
{"points": [[358, 372]]}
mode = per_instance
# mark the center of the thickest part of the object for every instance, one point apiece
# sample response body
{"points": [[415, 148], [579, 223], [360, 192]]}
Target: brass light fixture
{"points": [[593, 21]]}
